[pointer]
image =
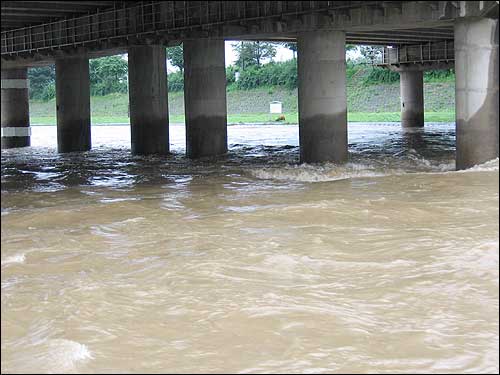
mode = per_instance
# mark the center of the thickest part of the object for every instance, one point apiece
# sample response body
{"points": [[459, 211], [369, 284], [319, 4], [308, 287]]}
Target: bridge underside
{"points": [[422, 35]]}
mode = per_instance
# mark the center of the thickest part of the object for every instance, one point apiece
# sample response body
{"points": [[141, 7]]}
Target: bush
{"points": [[273, 74], [439, 75], [381, 75], [352, 69], [48, 92], [230, 75], [42, 82], [108, 75], [176, 81]]}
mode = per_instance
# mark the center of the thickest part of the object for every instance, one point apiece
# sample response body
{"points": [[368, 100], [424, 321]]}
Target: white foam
{"points": [[19, 258], [61, 355], [314, 173], [52, 356], [489, 166]]}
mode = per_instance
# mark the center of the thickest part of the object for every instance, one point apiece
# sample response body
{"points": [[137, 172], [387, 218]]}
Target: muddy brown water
{"points": [[250, 262]]}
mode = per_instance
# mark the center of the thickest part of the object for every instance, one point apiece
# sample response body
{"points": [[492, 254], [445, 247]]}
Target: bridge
{"points": [[422, 35]]}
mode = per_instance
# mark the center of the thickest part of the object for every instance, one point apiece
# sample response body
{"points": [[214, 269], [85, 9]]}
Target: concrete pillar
{"points": [[148, 96], [15, 115], [205, 97], [412, 98], [476, 87], [322, 97], [73, 104]]}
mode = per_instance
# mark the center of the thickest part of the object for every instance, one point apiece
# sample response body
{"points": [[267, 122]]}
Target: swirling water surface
{"points": [[249, 262]]}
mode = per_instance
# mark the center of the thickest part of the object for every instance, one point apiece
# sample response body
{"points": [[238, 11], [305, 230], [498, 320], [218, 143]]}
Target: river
{"points": [[250, 262]]}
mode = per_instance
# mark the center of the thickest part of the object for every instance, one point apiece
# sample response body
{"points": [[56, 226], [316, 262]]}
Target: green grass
{"points": [[366, 103], [249, 118]]}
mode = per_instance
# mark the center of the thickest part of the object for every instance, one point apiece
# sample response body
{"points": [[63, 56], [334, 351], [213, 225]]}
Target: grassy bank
{"points": [[290, 118], [366, 103]]}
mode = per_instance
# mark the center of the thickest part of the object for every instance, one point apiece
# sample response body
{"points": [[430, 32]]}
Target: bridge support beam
{"points": [[205, 97], [15, 115], [322, 97], [476, 67], [73, 104], [412, 98], [148, 96]]}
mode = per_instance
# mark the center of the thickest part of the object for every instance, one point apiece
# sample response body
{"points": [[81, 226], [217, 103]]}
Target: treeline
{"points": [[272, 74], [284, 74], [377, 75], [107, 75], [253, 68]]}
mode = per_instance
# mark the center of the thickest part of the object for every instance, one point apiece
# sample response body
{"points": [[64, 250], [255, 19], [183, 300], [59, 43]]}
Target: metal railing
{"points": [[154, 18], [441, 51]]}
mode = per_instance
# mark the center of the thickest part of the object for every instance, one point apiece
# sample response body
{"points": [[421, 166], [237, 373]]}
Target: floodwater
{"points": [[251, 262]]}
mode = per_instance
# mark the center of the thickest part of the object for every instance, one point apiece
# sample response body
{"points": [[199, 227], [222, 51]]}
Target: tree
{"points": [[42, 82], [253, 53], [108, 75], [350, 47], [370, 53], [176, 56]]}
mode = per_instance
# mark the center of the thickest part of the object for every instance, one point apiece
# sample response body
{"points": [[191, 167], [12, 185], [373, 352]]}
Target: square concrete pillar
{"points": [[73, 104], [15, 115], [322, 97], [148, 96], [476, 87], [412, 98], [205, 97]]}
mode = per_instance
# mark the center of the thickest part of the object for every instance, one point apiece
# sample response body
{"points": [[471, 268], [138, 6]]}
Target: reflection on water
{"points": [[249, 262]]}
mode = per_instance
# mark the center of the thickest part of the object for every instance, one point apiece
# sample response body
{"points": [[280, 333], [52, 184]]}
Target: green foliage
{"points": [[253, 53], [371, 53], [176, 81], [439, 75], [230, 75], [108, 75], [350, 47], [42, 82], [176, 56], [352, 69], [272, 74], [379, 75]]}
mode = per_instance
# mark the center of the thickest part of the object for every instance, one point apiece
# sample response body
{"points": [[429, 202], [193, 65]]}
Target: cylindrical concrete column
{"points": [[322, 96], [412, 98], [205, 97], [73, 104], [15, 115], [148, 96], [476, 90]]}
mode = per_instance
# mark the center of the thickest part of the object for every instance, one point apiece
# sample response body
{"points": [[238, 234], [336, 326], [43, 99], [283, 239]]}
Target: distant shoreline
{"points": [[263, 119]]}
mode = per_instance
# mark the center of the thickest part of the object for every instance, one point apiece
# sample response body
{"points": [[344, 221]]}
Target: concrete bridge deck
{"points": [[423, 34]]}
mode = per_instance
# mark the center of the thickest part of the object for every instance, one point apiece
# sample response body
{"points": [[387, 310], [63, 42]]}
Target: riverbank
{"points": [[260, 118], [366, 103]]}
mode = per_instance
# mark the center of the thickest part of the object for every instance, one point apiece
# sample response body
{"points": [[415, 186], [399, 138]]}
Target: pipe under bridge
{"points": [[421, 34]]}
